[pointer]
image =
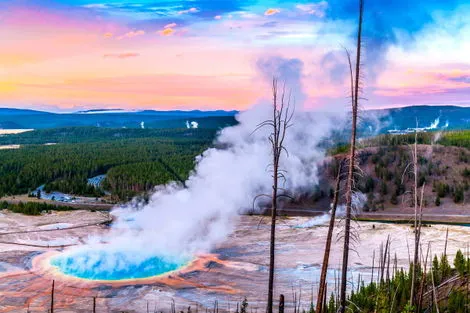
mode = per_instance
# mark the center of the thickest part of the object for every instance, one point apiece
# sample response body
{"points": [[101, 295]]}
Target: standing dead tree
{"points": [[355, 82], [418, 212], [322, 290], [52, 296], [279, 123], [416, 232]]}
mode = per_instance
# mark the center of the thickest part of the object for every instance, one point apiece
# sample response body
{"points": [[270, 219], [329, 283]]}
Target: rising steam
{"points": [[192, 124], [358, 201], [184, 221]]}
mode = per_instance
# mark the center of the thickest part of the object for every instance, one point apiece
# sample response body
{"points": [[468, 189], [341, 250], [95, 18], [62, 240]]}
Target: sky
{"points": [[221, 54]]}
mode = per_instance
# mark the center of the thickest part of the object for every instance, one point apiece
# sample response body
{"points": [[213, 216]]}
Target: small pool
{"points": [[113, 266]]}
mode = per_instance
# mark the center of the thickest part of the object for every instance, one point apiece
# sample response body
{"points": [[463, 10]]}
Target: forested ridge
{"points": [[457, 138], [95, 134], [444, 165], [135, 160]]}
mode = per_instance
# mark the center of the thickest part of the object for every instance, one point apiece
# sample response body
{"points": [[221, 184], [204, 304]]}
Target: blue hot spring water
{"points": [[110, 265]]}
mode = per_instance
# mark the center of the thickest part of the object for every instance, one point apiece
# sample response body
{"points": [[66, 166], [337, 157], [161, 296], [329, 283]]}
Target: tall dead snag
{"points": [[322, 290], [280, 122], [355, 81], [52, 296], [417, 221]]}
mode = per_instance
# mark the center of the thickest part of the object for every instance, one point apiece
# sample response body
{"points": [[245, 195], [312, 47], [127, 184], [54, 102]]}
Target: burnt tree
{"points": [[279, 123], [322, 290], [355, 82]]}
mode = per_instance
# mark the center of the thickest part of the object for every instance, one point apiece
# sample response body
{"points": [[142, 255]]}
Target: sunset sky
{"points": [[220, 54]]}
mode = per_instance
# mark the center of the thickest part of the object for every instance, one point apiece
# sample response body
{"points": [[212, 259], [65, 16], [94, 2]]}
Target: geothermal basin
{"points": [[33, 254]]}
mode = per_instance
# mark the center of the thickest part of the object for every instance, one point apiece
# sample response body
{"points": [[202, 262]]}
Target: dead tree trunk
{"points": [[417, 222], [280, 122], [52, 296], [352, 155], [445, 245], [326, 256]]}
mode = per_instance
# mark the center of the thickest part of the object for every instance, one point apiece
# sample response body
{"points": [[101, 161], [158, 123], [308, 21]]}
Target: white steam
{"points": [[186, 221], [358, 201], [192, 124], [180, 221], [434, 124]]}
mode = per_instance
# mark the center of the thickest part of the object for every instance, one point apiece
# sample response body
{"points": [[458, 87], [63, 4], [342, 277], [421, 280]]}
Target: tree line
{"points": [[134, 164], [32, 208]]}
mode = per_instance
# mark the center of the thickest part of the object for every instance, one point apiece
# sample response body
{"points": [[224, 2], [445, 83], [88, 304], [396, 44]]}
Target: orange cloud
{"points": [[121, 55], [108, 35], [271, 12], [167, 32]]}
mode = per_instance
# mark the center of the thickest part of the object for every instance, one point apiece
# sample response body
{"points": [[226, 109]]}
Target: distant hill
{"points": [[16, 112], [27, 119], [373, 122]]}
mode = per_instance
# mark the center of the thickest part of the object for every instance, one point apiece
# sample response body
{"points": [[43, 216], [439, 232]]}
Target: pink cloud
{"points": [[191, 10], [121, 55], [132, 34], [218, 17], [317, 9], [46, 34], [171, 25]]}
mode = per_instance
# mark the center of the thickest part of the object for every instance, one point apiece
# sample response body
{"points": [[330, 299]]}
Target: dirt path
{"points": [[393, 215]]}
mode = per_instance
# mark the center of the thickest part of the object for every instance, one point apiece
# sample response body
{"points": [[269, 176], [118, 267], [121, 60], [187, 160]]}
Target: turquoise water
{"points": [[104, 265]]}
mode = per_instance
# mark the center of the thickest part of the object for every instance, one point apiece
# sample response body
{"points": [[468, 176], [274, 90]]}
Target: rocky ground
{"points": [[237, 268]]}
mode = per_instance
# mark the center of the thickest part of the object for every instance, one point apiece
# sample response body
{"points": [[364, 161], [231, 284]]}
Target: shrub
{"points": [[466, 173], [458, 194]]}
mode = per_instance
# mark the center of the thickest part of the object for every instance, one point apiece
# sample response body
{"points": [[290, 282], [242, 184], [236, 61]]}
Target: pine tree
{"points": [[383, 188], [460, 263], [445, 269]]}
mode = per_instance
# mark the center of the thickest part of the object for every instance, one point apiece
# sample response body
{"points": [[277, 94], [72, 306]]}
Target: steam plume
{"points": [[192, 124], [185, 221], [189, 220]]}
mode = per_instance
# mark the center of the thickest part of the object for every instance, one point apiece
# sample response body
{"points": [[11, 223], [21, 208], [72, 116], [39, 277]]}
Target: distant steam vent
{"points": [[192, 124], [434, 126]]}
